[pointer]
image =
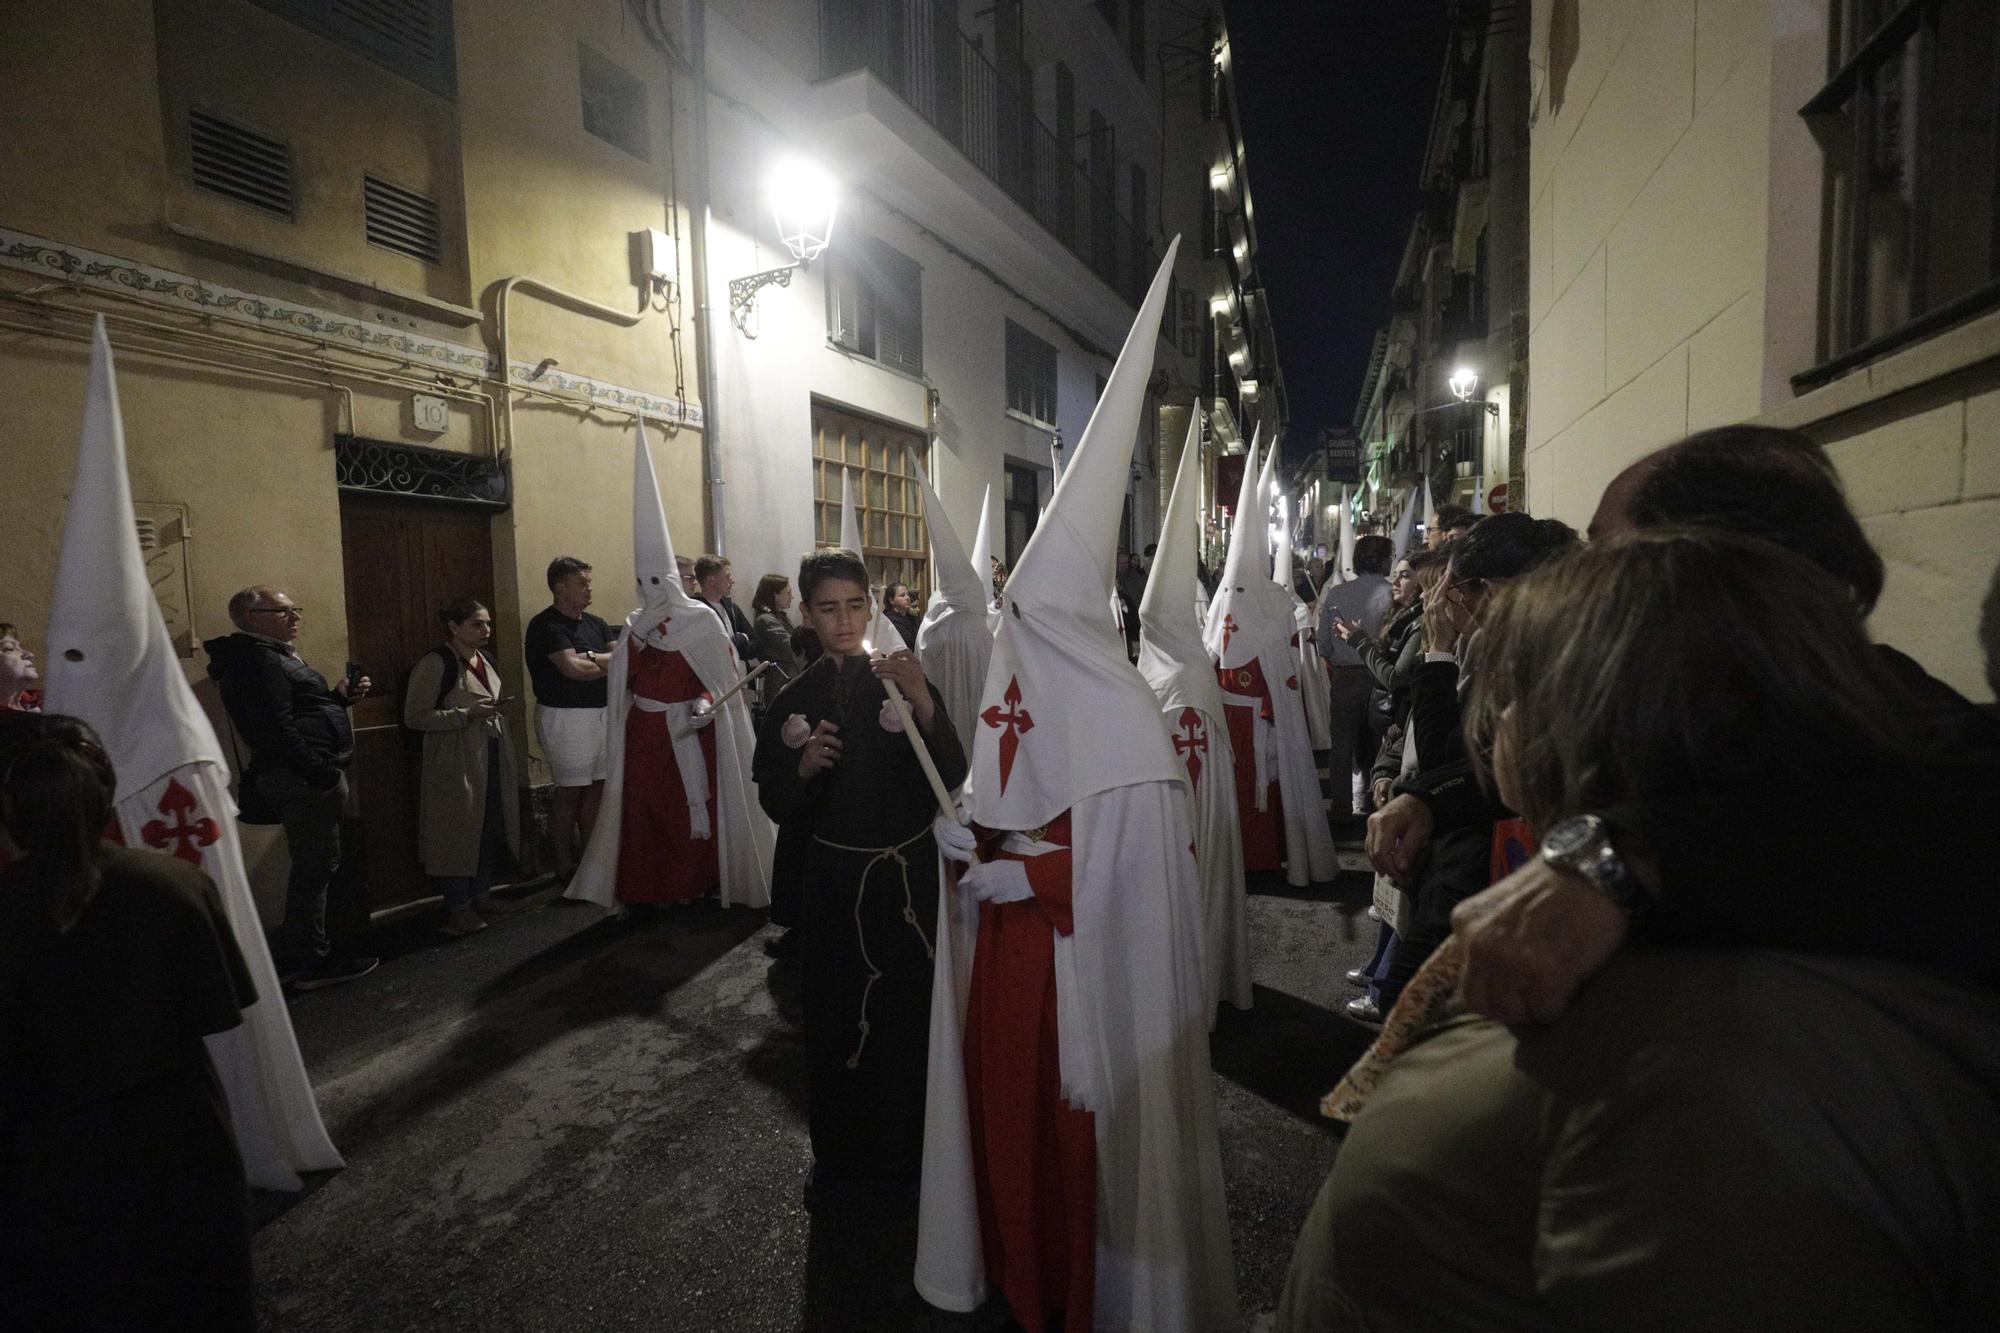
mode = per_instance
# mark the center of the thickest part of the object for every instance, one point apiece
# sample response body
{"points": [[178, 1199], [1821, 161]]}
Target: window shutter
{"points": [[899, 319], [843, 305], [240, 164]]}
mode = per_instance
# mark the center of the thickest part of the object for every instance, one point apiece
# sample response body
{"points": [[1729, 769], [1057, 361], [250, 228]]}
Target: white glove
{"points": [[696, 721], [997, 882], [954, 839]]}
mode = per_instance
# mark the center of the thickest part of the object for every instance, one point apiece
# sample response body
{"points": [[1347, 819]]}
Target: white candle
{"points": [[902, 707], [703, 707]]}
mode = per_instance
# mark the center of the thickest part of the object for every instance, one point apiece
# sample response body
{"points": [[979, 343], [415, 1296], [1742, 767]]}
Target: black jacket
{"points": [[282, 708]]}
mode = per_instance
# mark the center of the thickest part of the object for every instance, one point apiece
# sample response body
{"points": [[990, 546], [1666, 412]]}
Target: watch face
{"points": [[1571, 836]]}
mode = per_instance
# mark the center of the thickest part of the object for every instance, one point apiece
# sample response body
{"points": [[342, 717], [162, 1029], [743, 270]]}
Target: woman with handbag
{"points": [[470, 822]]}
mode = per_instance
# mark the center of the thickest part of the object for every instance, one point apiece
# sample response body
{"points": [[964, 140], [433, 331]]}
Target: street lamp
{"points": [[804, 201], [1462, 382]]}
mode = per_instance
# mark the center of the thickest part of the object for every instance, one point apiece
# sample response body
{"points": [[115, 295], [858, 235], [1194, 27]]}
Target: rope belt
{"points": [[880, 854]]}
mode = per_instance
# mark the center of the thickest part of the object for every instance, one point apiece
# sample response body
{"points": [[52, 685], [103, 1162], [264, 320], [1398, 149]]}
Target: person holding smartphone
{"points": [[469, 821], [300, 741]]}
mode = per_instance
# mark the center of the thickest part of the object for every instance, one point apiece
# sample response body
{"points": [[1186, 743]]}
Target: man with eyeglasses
{"points": [[300, 743]]}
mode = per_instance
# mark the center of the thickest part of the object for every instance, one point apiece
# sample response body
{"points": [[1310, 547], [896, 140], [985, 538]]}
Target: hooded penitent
{"points": [[1404, 527], [982, 559], [881, 636], [668, 618], [1068, 727], [111, 663], [1315, 689], [1250, 627], [953, 643], [1177, 666]]}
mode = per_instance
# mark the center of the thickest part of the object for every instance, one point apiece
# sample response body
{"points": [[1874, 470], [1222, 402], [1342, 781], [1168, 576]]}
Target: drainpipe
{"points": [[555, 296], [699, 211]]}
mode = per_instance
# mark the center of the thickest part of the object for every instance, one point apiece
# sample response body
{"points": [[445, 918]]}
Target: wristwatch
{"points": [[590, 656], [1581, 845]]}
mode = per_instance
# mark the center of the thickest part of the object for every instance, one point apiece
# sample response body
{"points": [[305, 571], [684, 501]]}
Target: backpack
{"points": [[454, 671]]}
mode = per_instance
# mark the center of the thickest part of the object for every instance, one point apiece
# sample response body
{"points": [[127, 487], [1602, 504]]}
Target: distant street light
{"points": [[804, 200], [1463, 381]]}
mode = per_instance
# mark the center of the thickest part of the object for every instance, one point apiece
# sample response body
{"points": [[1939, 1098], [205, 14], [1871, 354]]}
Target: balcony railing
{"points": [[916, 48]]}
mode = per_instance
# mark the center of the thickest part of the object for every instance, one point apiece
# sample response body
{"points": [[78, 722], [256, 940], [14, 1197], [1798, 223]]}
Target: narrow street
{"points": [[561, 1123]]}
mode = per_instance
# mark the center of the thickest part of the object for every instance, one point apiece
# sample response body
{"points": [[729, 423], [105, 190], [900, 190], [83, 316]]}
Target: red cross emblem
{"points": [[188, 839], [1192, 742], [1228, 631], [1011, 724]]}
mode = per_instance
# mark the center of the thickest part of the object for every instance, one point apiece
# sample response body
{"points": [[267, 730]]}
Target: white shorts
{"points": [[573, 742]]}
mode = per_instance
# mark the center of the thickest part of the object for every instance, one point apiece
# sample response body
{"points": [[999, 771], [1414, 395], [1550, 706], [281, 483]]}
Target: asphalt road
{"points": [[564, 1123]]}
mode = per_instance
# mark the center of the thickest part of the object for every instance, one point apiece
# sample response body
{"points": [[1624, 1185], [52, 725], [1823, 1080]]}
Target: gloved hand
{"points": [[697, 718], [997, 882], [954, 839]]}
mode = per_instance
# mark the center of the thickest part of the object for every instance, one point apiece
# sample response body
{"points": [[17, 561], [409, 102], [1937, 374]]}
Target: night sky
{"points": [[1336, 97]]}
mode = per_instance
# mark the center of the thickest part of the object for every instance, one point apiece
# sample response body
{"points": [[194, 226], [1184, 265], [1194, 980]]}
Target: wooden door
{"points": [[404, 560]]}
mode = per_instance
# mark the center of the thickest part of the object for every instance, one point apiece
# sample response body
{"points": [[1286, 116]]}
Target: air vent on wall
{"points": [[240, 164], [404, 27], [401, 220]]}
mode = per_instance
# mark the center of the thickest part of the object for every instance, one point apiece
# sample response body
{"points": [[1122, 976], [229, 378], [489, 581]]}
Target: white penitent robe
{"points": [[1202, 743], [1315, 687], [1132, 1012]]}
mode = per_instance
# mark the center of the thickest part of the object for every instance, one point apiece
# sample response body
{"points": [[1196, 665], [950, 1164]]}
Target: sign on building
{"points": [[1341, 449]]}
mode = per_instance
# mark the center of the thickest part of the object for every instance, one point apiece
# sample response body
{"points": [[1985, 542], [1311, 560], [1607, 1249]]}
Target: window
{"points": [[614, 104], [894, 541], [1031, 375], [239, 163], [1024, 509], [411, 37], [1910, 128], [874, 304]]}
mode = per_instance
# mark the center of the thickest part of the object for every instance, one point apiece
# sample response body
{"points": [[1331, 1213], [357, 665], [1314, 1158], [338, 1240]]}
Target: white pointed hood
{"points": [[982, 551], [1172, 657], [1430, 509], [882, 636], [1248, 610], [955, 641], [668, 617], [1064, 715], [953, 573], [1281, 563], [1344, 553], [1405, 526], [109, 660], [111, 663]]}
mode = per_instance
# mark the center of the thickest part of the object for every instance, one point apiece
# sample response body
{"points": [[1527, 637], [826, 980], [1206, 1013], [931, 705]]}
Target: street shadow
{"points": [[607, 971], [1348, 890], [1286, 1051]]}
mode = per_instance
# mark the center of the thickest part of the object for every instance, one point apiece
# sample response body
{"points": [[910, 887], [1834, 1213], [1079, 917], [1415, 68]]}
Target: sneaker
{"points": [[462, 921], [1364, 1009], [333, 972], [1360, 976]]}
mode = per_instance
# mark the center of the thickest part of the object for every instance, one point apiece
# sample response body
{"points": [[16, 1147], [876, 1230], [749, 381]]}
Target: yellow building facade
{"points": [[1693, 260], [384, 308]]}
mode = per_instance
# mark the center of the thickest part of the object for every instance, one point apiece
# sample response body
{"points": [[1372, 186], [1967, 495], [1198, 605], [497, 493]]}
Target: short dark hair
{"points": [[1502, 546], [1374, 555], [1423, 557], [460, 609], [562, 567], [833, 562], [1763, 482], [707, 566], [1454, 516]]}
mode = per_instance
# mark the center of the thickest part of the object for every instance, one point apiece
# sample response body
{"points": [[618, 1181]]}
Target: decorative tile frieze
{"points": [[88, 268]]}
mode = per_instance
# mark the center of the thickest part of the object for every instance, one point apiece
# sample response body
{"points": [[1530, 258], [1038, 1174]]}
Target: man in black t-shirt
{"points": [[568, 652]]}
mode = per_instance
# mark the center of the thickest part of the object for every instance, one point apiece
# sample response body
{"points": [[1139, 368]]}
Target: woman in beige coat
{"points": [[469, 819]]}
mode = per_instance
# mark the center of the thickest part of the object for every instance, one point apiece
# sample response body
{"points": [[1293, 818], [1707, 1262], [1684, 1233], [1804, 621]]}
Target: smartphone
{"points": [[354, 674]]}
